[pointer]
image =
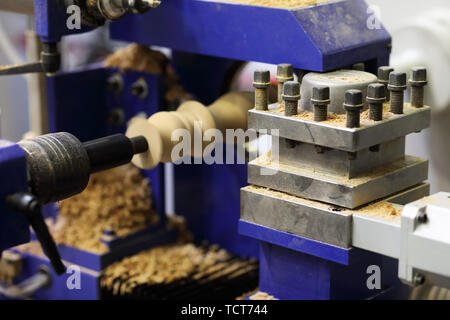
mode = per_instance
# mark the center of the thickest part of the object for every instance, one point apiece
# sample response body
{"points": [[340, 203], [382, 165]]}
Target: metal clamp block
{"points": [[339, 137]]}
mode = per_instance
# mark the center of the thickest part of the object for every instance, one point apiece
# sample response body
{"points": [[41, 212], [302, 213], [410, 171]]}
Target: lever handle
{"points": [[28, 205], [50, 63], [35, 67]]}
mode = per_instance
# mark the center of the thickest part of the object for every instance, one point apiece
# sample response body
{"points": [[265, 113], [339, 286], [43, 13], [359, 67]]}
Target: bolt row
{"points": [[139, 88], [390, 87], [289, 93], [396, 83]]}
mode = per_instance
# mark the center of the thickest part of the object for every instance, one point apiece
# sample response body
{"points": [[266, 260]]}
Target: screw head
{"points": [[418, 76], [291, 91], [137, 89], [285, 72], [321, 93], [353, 99], [116, 117], [376, 91], [423, 218], [115, 83], [419, 279], [397, 81], [384, 72], [140, 89], [261, 79]]}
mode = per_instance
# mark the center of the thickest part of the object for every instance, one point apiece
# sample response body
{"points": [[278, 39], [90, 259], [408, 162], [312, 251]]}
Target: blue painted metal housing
{"points": [[89, 280], [51, 20], [79, 103], [328, 36], [208, 196], [90, 264], [297, 268], [318, 38], [14, 228], [295, 243]]}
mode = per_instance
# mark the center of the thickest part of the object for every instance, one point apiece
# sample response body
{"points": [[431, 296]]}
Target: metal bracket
{"points": [[409, 223], [425, 242]]}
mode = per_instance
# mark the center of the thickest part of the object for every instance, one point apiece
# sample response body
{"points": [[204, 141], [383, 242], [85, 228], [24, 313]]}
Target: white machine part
{"points": [[420, 240]]}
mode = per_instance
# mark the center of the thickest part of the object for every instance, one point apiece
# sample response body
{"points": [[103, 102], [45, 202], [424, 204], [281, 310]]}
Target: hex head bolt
{"points": [[115, 83], [291, 95], [261, 83], [353, 104], [376, 96], [418, 81], [140, 89], [320, 100], [383, 78], [397, 86], [285, 73]]}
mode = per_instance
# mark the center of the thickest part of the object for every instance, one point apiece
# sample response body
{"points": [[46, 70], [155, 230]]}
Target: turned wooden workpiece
{"points": [[228, 112]]}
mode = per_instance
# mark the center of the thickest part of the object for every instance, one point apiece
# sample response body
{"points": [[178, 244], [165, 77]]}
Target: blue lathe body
{"points": [[207, 39]]}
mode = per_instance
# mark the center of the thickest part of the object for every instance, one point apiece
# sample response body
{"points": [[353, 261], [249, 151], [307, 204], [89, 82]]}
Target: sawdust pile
{"points": [[256, 295], [278, 3], [384, 210], [136, 57], [262, 296], [117, 199], [333, 119], [163, 265], [365, 115]]}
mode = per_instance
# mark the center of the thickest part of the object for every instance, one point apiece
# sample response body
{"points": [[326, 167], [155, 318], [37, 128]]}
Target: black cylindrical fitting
{"points": [[113, 151]]}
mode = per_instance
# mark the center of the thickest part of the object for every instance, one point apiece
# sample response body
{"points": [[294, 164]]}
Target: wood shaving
{"points": [[383, 210], [278, 3], [429, 199], [346, 79], [262, 296], [137, 57], [178, 223], [140, 58], [163, 265], [117, 199], [33, 247], [247, 294], [340, 120], [10, 266]]}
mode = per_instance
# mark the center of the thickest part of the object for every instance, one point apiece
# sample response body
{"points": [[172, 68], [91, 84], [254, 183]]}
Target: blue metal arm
{"points": [[319, 38]]}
